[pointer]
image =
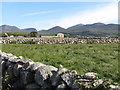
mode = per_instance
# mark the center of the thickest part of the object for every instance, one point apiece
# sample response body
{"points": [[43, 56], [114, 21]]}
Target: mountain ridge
{"points": [[95, 29], [8, 28]]}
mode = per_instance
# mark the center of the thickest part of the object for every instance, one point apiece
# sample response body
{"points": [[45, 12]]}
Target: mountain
{"points": [[75, 27], [96, 29], [7, 28], [42, 30], [52, 31], [30, 29], [56, 29]]}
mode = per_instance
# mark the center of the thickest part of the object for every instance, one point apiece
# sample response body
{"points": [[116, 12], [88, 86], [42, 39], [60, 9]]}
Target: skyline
{"points": [[45, 15]]}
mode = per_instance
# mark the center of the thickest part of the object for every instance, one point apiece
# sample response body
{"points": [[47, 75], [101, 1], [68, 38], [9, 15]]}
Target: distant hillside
{"points": [[96, 29], [7, 28], [52, 31], [30, 30], [75, 27]]}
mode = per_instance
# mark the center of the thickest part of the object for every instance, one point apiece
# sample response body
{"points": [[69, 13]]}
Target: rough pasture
{"points": [[99, 58]]}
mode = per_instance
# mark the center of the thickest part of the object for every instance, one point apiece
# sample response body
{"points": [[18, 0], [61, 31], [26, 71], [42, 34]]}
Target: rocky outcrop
{"points": [[24, 74]]}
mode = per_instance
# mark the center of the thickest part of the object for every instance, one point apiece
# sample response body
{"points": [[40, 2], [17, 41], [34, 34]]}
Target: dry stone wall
{"points": [[23, 40], [24, 74]]}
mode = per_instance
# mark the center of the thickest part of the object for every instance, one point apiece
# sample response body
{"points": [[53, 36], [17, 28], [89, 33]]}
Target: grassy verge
{"points": [[99, 58]]}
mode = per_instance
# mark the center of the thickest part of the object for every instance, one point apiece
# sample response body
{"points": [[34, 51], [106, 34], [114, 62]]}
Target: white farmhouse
{"points": [[61, 35]]}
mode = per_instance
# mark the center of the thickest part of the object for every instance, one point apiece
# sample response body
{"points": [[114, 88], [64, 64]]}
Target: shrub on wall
{"points": [[13, 42], [30, 42]]}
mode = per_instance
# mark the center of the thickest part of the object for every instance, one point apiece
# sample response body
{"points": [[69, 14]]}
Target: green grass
{"points": [[99, 58]]}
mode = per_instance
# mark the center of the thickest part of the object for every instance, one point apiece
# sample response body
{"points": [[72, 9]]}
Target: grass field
{"points": [[99, 58]]}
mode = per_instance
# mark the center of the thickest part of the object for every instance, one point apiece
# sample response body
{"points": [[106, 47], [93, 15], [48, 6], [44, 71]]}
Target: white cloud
{"points": [[106, 15], [37, 13]]}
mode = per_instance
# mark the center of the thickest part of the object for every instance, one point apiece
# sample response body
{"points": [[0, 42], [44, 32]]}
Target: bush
{"points": [[30, 42], [13, 42]]}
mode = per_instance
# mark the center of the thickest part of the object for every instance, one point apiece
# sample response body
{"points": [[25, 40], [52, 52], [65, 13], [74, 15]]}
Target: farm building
{"points": [[61, 35]]}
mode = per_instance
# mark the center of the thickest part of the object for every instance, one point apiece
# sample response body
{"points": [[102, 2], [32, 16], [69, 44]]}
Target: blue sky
{"points": [[45, 15]]}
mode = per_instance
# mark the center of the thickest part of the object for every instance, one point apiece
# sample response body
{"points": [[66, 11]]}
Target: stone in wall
{"points": [[32, 86], [43, 73], [55, 79]]}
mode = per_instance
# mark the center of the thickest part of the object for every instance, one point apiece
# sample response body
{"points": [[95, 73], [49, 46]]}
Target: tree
{"points": [[33, 34]]}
